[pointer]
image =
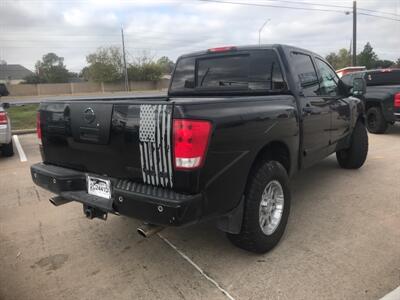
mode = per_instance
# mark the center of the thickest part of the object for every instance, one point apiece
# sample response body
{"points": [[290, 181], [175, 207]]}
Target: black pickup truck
{"points": [[382, 97], [236, 124]]}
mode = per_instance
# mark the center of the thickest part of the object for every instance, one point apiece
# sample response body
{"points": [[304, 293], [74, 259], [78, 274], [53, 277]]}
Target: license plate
{"points": [[99, 187]]}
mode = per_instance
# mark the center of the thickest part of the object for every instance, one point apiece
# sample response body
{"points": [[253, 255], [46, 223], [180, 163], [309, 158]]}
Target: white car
{"points": [[6, 146]]}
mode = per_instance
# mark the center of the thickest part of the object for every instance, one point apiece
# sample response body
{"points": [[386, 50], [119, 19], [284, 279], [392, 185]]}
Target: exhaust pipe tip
{"points": [[147, 230], [58, 200]]}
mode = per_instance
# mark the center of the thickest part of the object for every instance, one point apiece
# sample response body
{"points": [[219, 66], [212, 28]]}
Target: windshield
{"points": [[250, 71]]}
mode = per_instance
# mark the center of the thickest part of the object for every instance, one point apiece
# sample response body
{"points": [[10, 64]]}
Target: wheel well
{"points": [[275, 151], [370, 104]]}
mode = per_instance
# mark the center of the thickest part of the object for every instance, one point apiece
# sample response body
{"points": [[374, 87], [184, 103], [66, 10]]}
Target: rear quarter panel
{"points": [[242, 126], [383, 96]]}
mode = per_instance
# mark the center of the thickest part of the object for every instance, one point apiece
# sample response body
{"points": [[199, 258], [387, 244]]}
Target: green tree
{"points": [[104, 66], [144, 68], [339, 60], [384, 63], [32, 79], [50, 69], [367, 57], [148, 71], [166, 64], [397, 64]]}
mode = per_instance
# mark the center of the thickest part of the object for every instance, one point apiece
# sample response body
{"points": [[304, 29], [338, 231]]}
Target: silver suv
{"points": [[6, 146]]}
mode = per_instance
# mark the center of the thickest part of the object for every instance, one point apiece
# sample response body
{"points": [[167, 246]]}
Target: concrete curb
{"points": [[23, 131]]}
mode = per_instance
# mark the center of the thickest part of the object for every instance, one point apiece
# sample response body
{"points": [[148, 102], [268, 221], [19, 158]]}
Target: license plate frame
{"points": [[99, 187]]}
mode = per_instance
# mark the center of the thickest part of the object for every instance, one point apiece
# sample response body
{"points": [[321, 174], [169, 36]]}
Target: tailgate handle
{"points": [[89, 134]]}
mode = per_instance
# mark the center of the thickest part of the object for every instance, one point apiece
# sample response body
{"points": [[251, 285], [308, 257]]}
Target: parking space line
{"points": [[393, 295], [21, 152], [200, 270]]}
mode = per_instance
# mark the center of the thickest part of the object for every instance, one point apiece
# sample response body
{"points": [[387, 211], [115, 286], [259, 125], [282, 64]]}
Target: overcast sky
{"points": [[72, 29]]}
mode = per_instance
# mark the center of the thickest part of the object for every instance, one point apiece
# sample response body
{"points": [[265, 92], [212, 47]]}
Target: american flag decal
{"points": [[155, 144]]}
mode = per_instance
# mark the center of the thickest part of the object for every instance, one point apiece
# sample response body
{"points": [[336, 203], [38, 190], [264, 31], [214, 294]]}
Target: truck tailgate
{"points": [[121, 139]]}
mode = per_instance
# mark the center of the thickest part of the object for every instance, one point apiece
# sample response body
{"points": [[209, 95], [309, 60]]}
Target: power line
{"points": [[381, 17], [332, 5], [292, 7], [275, 6]]}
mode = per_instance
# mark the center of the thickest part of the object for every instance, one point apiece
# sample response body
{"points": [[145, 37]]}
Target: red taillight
{"points": [[3, 118], [190, 143], [221, 49], [397, 100], [38, 126]]}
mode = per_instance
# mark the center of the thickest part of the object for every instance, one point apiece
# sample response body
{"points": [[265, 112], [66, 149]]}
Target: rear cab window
{"points": [[254, 71], [383, 77]]}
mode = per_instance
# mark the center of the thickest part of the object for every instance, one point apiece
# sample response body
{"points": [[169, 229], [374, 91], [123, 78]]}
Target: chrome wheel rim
{"points": [[271, 207]]}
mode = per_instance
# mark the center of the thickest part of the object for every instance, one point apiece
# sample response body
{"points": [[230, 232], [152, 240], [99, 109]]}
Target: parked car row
{"points": [[382, 97], [6, 145]]}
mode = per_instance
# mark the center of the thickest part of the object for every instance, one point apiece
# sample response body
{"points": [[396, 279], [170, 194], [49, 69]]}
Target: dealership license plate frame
{"points": [[96, 191]]}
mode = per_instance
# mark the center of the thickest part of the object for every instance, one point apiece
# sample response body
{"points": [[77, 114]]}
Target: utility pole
{"points": [[259, 31], [354, 56], [124, 55]]}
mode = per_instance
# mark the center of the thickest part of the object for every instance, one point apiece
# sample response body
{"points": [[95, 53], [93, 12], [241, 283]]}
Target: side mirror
{"points": [[5, 105], [359, 86]]}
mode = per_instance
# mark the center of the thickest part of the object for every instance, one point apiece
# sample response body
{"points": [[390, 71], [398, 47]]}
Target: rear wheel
{"points": [[266, 210], [355, 156], [376, 122], [7, 149]]}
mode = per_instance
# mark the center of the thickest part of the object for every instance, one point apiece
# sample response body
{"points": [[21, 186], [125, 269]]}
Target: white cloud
{"points": [[29, 29]]}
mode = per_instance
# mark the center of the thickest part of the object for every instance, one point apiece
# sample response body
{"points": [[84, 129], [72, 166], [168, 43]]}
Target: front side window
{"points": [[328, 79], [236, 71], [306, 73]]}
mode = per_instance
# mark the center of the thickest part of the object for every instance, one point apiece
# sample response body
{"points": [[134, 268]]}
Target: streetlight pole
{"points": [[259, 31]]}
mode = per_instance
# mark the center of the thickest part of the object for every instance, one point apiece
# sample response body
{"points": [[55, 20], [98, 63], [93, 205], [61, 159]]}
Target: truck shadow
{"points": [[307, 188], [319, 208], [394, 129]]}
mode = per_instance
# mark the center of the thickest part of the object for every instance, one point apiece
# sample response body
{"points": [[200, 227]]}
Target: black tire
{"points": [[376, 122], [252, 238], [355, 156], [7, 149]]}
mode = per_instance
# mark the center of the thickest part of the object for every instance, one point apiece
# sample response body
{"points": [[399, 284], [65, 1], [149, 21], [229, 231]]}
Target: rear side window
{"points": [[250, 71], [184, 74], [305, 70]]}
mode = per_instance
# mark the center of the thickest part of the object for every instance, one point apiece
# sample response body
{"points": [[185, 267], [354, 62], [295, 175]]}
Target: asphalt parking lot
{"points": [[342, 242]]}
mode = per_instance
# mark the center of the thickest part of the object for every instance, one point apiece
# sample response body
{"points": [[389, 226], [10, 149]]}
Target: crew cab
{"points": [[382, 97], [236, 124]]}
